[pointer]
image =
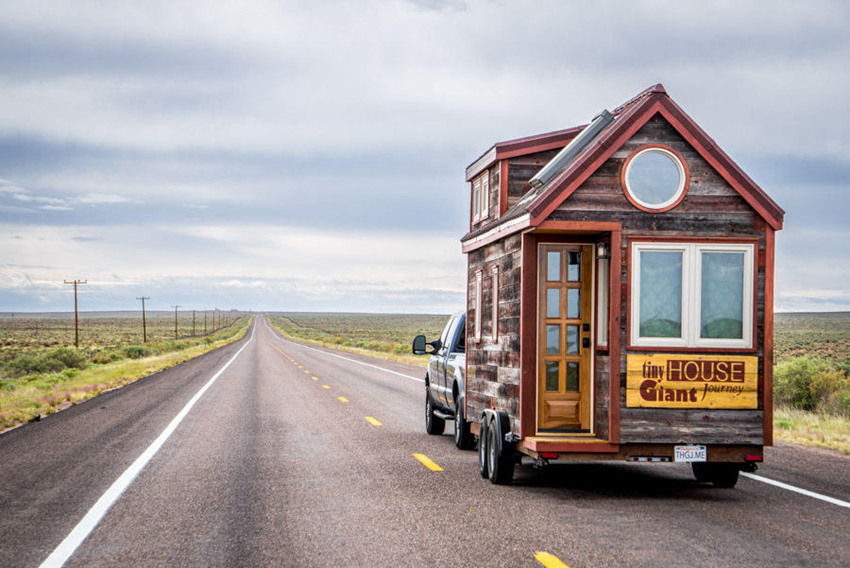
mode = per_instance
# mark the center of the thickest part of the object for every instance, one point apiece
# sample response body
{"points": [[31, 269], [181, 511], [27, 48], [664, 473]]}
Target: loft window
{"points": [[655, 178], [481, 197], [692, 295]]}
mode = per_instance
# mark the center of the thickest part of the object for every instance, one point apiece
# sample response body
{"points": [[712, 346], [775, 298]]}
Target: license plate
{"points": [[689, 454]]}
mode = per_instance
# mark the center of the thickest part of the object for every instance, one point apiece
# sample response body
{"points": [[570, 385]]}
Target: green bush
{"points": [[135, 351], [51, 361], [812, 385]]}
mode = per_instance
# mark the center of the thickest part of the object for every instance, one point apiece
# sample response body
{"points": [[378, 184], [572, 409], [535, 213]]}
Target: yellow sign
{"points": [[691, 381]]}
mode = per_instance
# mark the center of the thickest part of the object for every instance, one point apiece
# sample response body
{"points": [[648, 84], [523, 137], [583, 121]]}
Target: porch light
{"points": [[602, 252]]}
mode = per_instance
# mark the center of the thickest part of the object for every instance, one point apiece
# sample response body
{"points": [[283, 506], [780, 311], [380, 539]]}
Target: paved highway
{"points": [[298, 456]]}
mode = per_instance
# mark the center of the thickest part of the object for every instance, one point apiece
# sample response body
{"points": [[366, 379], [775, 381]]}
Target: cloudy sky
{"points": [[310, 155]]}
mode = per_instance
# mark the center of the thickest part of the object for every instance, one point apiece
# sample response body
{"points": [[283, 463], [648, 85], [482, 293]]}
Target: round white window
{"points": [[655, 178]]}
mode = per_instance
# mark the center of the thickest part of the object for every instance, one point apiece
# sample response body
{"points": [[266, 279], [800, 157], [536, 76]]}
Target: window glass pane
{"points": [[660, 293], [722, 310], [573, 303], [572, 376], [553, 339], [553, 266], [553, 369], [574, 266], [653, 178], [572, 339], [553, 303]]}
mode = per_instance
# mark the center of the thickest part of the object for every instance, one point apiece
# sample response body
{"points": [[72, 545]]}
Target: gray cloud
{"points": [[143, 130]]}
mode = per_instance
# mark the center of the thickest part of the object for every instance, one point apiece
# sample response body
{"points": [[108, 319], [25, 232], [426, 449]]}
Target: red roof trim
{"points": [[592, 158], [650, 102], [525, 146]]}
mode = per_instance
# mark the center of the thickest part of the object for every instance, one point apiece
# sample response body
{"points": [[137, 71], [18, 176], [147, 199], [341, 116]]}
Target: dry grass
{"points": [[30, 398], [386, 336], [812, 429]]}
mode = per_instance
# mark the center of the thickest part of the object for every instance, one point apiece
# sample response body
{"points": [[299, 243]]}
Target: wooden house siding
{"points": [[493, 370], [521, 169]]}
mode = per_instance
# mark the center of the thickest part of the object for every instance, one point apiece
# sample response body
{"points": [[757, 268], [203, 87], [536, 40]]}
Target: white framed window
{"points": [[485, 196], [655, 178], [481, 197], [476, 200], [692, 295], [478, 304], [495, 295], [602, 302]]}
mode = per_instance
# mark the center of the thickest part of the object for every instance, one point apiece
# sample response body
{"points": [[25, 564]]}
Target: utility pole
{"points": [[175, 320], [76, 283], [205, 322], [193, 323], [144, 323]]}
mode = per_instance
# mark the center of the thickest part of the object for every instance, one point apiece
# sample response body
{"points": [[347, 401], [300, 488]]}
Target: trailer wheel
{"points": [[434, 425], [501, 467], [722, 475], [482, 449], [463, 437]]}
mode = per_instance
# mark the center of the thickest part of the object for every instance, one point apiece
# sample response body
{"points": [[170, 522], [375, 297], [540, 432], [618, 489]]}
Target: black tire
{"points": [[434, 425], [500, 468], [482, 450], [721, 475], [464, 440]]}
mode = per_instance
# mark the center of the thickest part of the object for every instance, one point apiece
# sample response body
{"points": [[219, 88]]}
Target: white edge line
{"points": [[91, 519], [274, 332], [805, 492]]}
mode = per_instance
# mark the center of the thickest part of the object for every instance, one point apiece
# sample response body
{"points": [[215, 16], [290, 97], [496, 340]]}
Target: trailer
{"points": [[619, 297]]}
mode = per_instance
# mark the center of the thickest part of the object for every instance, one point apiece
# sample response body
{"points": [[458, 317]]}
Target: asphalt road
{"points": [[270, 467]]}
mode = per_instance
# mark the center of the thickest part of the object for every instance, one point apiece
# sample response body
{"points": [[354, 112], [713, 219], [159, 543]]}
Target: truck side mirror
{"points": [[420, 347]]}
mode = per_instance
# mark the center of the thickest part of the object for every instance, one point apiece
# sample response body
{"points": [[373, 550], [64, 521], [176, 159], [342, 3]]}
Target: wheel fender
{"points": [[461, 400], [500, 421]]}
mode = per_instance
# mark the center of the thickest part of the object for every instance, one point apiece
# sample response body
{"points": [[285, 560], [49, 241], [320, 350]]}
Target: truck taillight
{"points": [[753, 458], [549, 455]]}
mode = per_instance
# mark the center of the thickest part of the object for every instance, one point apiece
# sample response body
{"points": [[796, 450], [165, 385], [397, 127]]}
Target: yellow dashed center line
{"points": [[315, 378], [306, 371], [427, 462], [342, 399], [549, 560], [325, 387], [372, 421]]}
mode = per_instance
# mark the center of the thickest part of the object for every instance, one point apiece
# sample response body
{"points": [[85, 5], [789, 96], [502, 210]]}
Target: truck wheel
{"points": [[501, 468], [482, 450], [434, 425], [722, 475], [463, 437]]}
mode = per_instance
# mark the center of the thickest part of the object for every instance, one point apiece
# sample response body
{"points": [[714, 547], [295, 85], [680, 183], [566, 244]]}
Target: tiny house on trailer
{"points": [[620, 297]]}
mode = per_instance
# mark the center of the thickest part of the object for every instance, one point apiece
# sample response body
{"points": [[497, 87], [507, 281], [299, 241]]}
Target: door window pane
{"points": [[553, 369], [553, 266], [722, 293], [574, 266], [660, 293], [572, 376], [572, 339], [553, 339], [553, 303], [573, 303]]}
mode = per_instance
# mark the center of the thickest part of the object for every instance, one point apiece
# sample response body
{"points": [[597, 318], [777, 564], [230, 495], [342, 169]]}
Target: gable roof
{"points": [[629, 117]]}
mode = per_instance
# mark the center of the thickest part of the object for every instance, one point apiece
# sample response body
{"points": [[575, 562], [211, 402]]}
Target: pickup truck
{"points": [[444, 381]]}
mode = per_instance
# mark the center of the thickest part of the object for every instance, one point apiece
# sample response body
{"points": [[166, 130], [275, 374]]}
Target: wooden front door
{"points": [[565, 338]]}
